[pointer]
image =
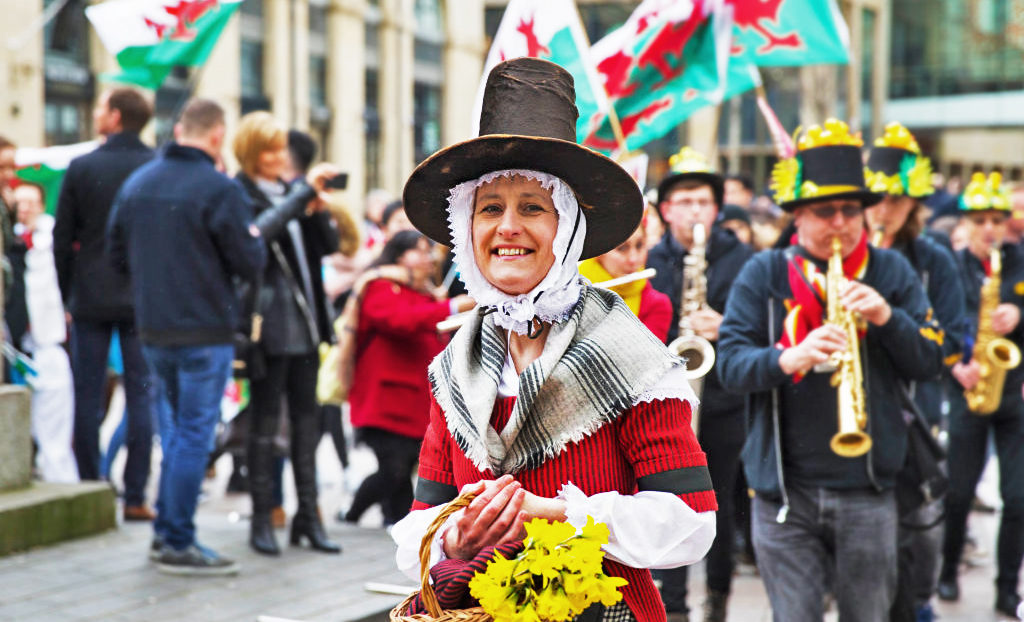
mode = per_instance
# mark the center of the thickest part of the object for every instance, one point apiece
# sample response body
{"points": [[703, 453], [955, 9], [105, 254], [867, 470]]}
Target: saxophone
{"points": [[696, 350], [996, 355], [848, 379]]}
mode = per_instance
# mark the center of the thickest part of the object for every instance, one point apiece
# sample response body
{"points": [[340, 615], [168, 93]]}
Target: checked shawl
{"points": [[595, 365]]}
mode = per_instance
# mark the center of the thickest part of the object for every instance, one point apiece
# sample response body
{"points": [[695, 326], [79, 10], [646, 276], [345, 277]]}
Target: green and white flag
{"points": [[149, 37], [552, 30], [791, 32], [46, 166]]}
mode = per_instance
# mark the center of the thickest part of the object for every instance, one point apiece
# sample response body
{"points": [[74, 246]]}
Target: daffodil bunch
{"points": [[557, 575]]}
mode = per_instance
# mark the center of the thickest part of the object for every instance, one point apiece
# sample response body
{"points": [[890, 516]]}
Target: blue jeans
{"points": [[193, 379], [848, 536], [90, 345]]}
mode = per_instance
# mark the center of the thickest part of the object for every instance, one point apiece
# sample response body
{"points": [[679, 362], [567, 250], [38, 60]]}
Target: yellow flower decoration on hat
{"points": [[899, 137], [985, 193], [915, 175], [689, 160], [787, 184]]}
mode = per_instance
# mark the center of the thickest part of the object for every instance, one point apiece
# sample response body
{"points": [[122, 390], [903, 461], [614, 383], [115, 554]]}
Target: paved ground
{"points": [[108, 577]]}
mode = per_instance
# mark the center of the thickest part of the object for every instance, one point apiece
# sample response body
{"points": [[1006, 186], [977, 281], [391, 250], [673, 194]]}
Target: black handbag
{"points": [[924, 478], [250, 361]]}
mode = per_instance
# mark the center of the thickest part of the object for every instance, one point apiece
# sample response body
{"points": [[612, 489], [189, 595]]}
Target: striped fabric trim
{"points": [[678, 481]]}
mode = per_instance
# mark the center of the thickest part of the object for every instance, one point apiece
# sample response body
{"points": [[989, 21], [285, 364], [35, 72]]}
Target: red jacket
{"points": [[396, 340], [655, 311]]}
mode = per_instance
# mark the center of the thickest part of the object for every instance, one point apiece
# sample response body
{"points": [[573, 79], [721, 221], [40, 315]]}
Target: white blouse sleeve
{"points": [[649, 529], [408, 534]]}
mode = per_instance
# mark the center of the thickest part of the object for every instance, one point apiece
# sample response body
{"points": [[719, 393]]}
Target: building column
{"points": [[702, 132], [220, 79], [880, 71], [854, 95], [277, 64], [21, 74], [464, 53], [396, 93], [346, 94], [300, 64]]}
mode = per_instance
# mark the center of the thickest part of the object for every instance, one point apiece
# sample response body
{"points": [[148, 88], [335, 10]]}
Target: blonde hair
{"points": [[257, 132]]}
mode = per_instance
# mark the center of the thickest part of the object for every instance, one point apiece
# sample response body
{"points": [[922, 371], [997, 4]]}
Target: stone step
{"points": [[46, 513]]}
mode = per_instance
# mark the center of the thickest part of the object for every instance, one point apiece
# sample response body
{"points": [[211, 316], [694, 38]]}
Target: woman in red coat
{"points": [[652, 307], [390, 399]]}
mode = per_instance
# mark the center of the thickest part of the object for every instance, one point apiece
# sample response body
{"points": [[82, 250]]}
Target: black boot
{"points": [[714, 606], [261, 478], [306, 522], [948, 589], [1007, 602]]}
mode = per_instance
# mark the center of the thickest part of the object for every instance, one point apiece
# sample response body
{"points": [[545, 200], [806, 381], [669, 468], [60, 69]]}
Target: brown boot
{"points": [[138, 513], [278, 518]]}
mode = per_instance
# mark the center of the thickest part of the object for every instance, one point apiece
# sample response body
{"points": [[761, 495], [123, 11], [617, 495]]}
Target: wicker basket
{"points": [[436, 614]]}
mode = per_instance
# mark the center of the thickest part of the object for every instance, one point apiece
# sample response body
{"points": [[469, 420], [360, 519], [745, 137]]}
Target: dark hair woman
{"points": [[396, 339], [291, 301]]}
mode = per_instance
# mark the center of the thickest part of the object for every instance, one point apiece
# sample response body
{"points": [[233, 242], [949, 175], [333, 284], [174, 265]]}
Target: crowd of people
{"points": [[852, 306]]}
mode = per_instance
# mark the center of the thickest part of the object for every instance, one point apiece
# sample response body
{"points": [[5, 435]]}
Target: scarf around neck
{"points": [[629, 292], [595, 365]]}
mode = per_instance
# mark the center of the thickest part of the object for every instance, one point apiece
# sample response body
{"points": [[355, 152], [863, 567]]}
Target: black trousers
{"points": [[968, 440], [391, 485], [721, 436]]}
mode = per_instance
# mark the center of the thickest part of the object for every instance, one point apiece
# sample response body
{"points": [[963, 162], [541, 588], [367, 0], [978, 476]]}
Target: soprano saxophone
{"points": [[995, 355], [696, 350], [848, 379]]}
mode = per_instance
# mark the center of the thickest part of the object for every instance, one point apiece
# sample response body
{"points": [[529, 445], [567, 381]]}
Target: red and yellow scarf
{"points": [[806, 309]]}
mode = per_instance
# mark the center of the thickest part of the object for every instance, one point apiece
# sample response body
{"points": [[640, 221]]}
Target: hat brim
{"points": [[716, 181], [612, 201], [866, 198]]}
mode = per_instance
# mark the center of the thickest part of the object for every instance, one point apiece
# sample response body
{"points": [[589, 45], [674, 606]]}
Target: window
{"points": [[371, 126], [427, 124]]}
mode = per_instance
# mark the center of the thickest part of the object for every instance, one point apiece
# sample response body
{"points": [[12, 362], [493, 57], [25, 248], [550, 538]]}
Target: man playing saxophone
{"points": [[818, 513], [993, 312], [692, 195]]}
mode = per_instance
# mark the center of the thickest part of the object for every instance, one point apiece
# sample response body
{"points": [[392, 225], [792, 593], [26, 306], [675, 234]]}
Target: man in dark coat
{"points": [[98, 299], [690, 195]]}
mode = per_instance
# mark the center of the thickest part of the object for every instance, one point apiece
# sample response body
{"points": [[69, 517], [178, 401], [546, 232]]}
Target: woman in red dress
{"points": [[554, 401]]}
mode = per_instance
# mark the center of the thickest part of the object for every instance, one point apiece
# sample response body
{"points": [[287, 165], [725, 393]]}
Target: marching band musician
{"points": [[986, 208], [816, 513], [897, 169], [692, 194]]}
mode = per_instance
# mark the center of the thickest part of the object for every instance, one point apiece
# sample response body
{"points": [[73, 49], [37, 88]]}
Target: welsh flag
{"points": [[549, 29], [149, 37], [791, 32], [670, 58], [46, 166]]}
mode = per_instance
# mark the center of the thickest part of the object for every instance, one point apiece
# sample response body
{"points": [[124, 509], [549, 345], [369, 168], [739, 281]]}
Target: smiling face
{"points": [[817, 223], [271, 162], [514, 227]]}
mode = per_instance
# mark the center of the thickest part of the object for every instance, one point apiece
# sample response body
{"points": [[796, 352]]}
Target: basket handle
{"points": [[426, 590]]}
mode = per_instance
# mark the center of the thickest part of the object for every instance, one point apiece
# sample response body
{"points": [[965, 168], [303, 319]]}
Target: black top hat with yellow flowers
{"points": [[983, 194], [691, 164], [895, 165], [827, 166], [528, 121]]}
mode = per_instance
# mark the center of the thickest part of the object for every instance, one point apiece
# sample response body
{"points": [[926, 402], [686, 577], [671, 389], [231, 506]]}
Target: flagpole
{"points": [[613, 117]]}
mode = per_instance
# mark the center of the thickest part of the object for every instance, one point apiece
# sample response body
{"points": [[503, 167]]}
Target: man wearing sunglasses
{"points": [[986, 208], [816, 513]]}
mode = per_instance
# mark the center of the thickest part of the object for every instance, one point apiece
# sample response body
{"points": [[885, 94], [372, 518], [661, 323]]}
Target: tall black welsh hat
{"points": [[827, 166], [528, 121]]}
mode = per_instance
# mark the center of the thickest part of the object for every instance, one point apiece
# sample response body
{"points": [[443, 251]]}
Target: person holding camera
{"points": [[291, 302]]}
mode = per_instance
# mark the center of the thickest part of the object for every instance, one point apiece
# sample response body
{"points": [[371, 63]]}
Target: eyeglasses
{"points": [[828, 212], [691, 204]]}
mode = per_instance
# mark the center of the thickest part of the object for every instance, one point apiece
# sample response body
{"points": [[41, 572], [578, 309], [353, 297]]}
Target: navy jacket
{"points": [[939, 272], [1011, 290], [905, 348], [92, 289], [726, 256], [182, 230]]}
